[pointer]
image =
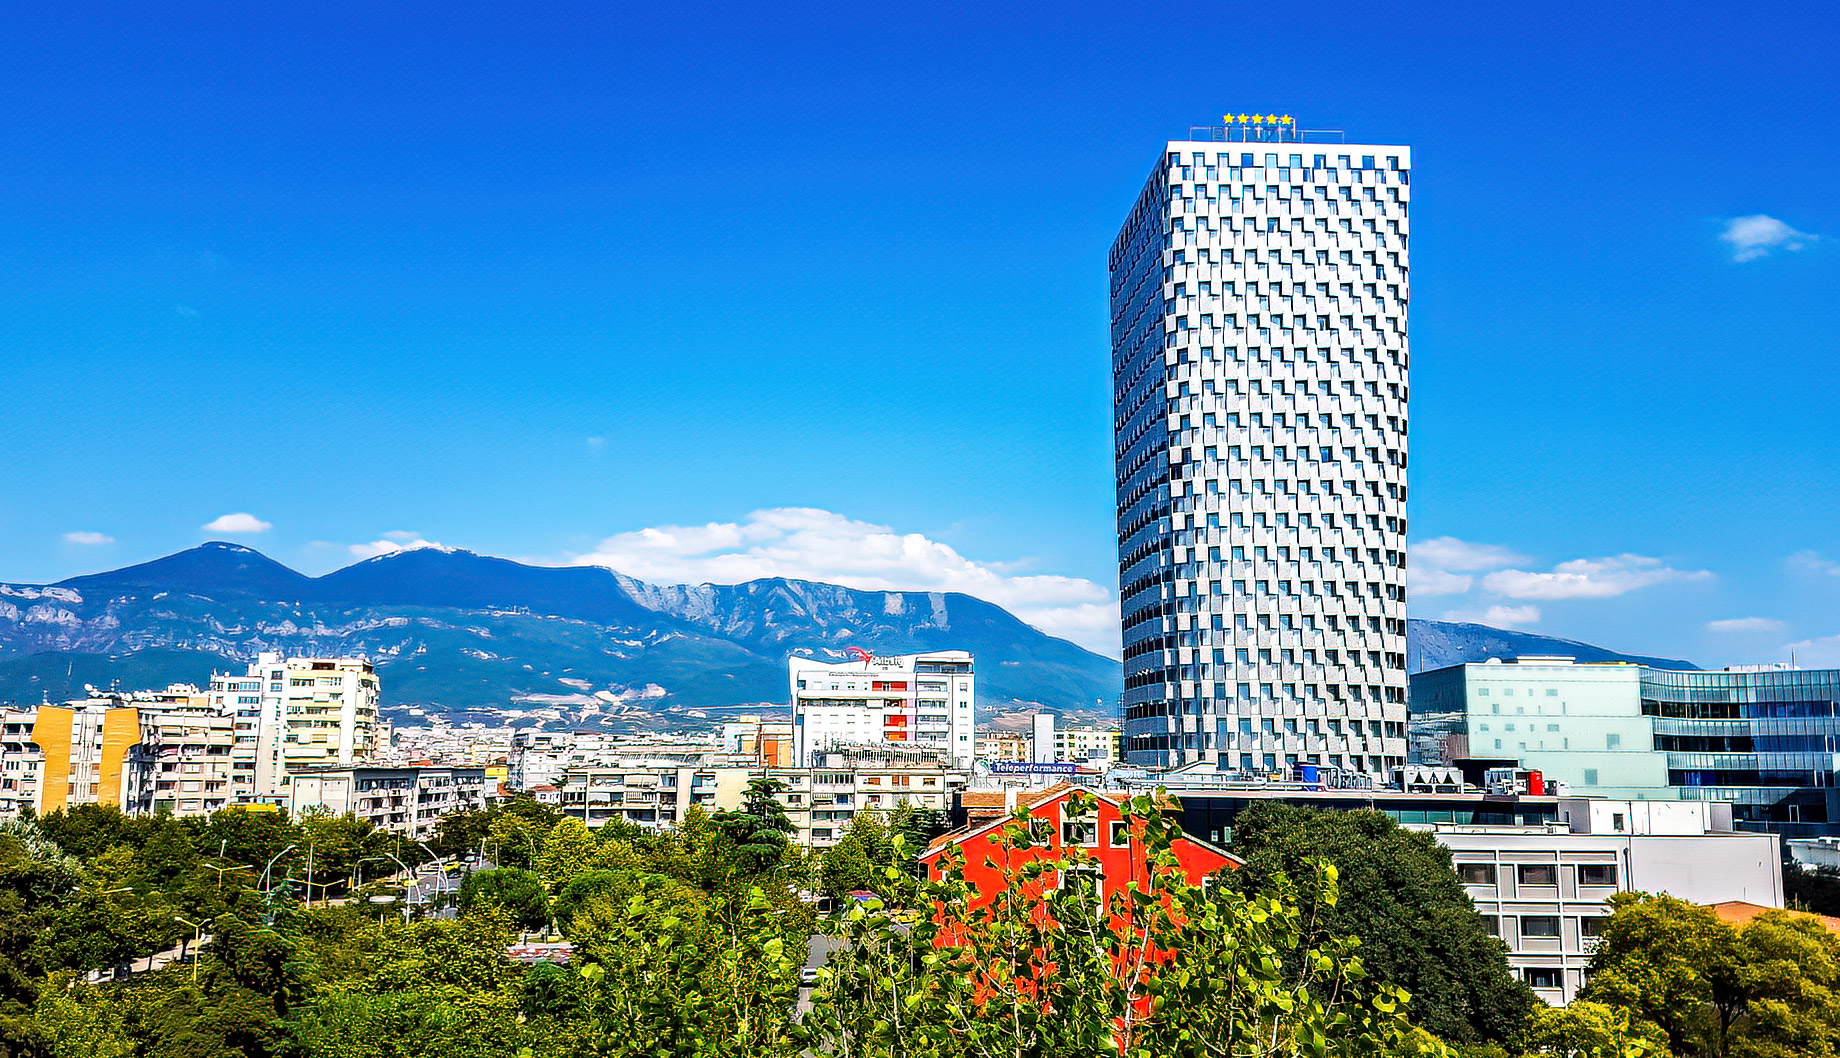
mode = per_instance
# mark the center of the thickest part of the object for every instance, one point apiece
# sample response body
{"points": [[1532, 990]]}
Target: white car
{"points": [[808, 976]]}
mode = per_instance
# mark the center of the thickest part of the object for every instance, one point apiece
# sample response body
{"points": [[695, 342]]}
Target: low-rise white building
{"points": [[823, 799], [1544, 890], [905, 700], [402, 800], [650, 792], [1055, 743]]}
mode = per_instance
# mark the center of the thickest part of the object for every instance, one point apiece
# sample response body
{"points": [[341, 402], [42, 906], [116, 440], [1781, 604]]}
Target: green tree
{"points": [[664, 978], [519, 892], [1790, 972], [1583, 1029], [568, 849], [1162, 968], [1401, 898], [757, 835], [1767, 989], [918, 825], [247, 836], [1674, 966], [846, 867]]}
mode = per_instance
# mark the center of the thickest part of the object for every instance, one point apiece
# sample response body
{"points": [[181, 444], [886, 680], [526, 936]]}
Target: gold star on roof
{"points": [[1271, 119], [1258, 119], [1286, 119]]}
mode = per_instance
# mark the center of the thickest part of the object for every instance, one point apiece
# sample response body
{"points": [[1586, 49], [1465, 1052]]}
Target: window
{"points": [[1476, 873], [1612, 741], [1590, 776], [1041, 831], [1592, 925], [1539, 874], [1546, 977], [1540, 926], [1121, 834], [1597, 874], [1491, 923], [1079, 832], [1083, 879]]}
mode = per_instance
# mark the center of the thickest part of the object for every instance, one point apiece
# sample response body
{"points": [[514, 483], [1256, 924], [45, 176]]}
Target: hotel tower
{"points": [[1259, 354]]}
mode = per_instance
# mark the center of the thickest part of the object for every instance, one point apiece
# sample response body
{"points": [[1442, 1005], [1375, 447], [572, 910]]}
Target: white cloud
{"points": [[392, 542], [1820, 653], [1746, 624], [1421, 582], [1588, 578], [1441, 566], [1812, 562], [810, 544], [238, 523], [1449, 553], [1497, 616], [88, 538], [1755, 236]]}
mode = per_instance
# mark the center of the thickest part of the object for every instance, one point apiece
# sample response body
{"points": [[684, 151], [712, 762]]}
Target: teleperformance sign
{"points": [[1016, 767]]}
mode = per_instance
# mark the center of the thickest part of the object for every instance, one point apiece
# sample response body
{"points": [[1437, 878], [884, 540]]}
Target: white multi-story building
{"points": [[822, 799], [406, 800], [1259, 355], [651, 792], [296, 713], [183, 763], [1077, 744], [1545, 890], [922, 701]]}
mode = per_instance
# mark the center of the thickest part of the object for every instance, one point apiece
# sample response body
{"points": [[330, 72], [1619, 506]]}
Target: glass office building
{"points": [[1766, 740]]}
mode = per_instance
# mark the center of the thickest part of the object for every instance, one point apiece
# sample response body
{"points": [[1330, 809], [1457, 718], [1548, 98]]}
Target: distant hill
{"points": [[1438, 644], [453, 631]]}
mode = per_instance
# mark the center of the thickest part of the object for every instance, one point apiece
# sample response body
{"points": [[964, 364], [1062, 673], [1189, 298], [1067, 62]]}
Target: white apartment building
{"points": [[1259, 358], [296, 713], [22, 763], [182, 764], [651, 793], [921, 701], [406, 800], [1544, 890], [1077, 744], [821, 800]]}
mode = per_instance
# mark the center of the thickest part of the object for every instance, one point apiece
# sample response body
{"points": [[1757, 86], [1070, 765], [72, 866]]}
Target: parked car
{"points": [[808, 976]]}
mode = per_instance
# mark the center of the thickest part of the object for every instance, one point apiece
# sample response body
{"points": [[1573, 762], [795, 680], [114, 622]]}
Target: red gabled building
{"points": [[1117, 855]]}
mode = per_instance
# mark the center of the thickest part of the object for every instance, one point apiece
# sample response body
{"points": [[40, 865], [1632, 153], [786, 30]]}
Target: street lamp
{"points": [[440, 879], [197, 941], [405, 870], [271, 865]]}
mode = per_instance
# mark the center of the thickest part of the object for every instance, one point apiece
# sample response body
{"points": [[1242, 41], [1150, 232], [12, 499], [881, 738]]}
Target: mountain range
{"points": [[452, 631]]}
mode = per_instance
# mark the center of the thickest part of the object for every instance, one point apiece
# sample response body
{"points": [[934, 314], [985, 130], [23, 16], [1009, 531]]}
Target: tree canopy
{"points": [[1401, 897]]}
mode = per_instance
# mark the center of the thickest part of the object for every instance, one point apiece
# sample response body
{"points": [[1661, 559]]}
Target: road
{"points": [[816, 952]]}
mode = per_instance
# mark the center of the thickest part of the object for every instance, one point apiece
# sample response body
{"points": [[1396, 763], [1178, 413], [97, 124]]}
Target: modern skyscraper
{"points": [[1258, 295]]}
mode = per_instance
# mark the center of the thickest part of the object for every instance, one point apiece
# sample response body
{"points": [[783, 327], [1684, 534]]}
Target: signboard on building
{"points": [[1017, 767]]}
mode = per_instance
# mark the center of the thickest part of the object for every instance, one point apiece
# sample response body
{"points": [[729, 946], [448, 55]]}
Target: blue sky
{"points": [[827, 286]]}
